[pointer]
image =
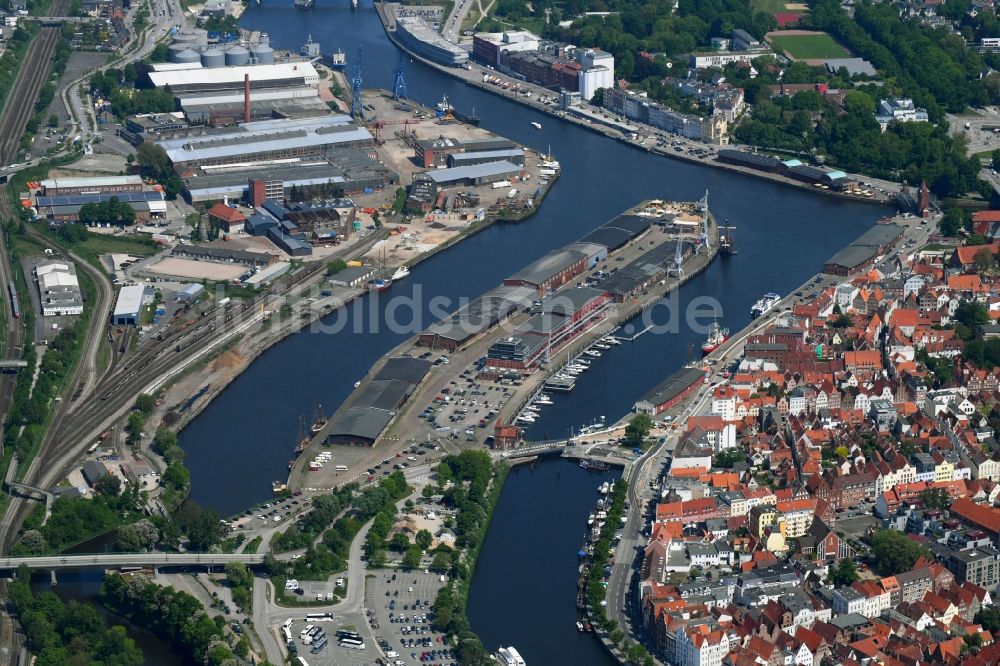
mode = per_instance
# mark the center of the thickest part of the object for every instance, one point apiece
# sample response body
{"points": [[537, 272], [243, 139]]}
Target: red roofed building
{"points": [[983, 517], [227, 219]]}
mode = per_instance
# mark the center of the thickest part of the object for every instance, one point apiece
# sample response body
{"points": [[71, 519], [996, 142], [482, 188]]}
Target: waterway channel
{"points": [[241, 442]]}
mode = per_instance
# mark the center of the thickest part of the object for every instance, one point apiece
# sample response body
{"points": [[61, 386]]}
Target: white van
{"points": [[341, 468]]}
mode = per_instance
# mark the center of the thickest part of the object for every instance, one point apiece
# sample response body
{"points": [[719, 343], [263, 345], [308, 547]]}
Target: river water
{"points": [[241, 442]]}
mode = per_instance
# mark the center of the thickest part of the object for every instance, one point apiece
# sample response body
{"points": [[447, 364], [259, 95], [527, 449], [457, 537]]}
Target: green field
{"points": [[809, 47], [770, 6]]}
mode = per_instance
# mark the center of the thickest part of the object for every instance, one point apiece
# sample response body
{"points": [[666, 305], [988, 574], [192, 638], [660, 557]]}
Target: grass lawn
{"points": [[809, 47], [770, 6], [97, 244]]}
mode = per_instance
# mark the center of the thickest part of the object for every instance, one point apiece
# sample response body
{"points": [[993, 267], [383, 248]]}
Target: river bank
{"points": [[473, 78]]}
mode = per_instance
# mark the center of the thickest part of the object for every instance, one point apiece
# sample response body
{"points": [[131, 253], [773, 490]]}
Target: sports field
{"points": [[815, 46]]}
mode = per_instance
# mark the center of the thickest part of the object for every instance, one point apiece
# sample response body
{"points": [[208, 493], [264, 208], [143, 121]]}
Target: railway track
{"points": [[15, 330]]}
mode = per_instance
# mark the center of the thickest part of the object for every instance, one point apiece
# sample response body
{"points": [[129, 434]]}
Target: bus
{"points": [[288, 633], [302, 661], [319, 617], [319, 645], [344, 633], [350, 645]]}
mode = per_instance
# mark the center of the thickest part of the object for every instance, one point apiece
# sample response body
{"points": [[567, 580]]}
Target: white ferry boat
{"points": [[765, 303], [509, 656]]}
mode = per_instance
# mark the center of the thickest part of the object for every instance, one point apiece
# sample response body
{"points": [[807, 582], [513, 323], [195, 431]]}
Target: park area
{"points": [[805, 45]]}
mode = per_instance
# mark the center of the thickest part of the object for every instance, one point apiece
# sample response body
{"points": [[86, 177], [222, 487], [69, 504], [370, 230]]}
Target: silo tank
{"points": [[187, 56], [265, 55], [237, 56], [213, 58]]}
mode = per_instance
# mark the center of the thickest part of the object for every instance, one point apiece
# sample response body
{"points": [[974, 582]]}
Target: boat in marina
{"points": [[319, 420], [716, 338], [357, 384], [579, 626], [544, 400], [764, 303], [595, 465], [338, 60], [526, 418], [611, 340], [354, 4], [401, 273], [305, 4], [509, 656], [379, 284], [602, 345], [592, 352]]}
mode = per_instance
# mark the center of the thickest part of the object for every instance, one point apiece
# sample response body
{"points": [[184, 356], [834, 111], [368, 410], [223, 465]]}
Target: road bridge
{"points": [[112, 560]]}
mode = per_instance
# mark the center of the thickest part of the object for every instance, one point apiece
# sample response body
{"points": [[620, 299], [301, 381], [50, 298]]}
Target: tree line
{"points": [[175, 616], [60, 633]]}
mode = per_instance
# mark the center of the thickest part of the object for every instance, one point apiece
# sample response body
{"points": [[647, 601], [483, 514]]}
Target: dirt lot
{"points": [[196, 270]]}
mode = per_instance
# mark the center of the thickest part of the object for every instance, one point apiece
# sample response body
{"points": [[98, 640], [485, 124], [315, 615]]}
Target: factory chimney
{"points": [[246, 98]]}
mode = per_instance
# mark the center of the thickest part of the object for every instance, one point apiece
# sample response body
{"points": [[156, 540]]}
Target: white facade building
{"points": [[899, 108]]}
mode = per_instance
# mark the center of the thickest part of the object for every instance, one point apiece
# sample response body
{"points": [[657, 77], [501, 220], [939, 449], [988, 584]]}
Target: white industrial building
{"points": [[131, 300], [598, 71], [58, 290], [205, 79]]}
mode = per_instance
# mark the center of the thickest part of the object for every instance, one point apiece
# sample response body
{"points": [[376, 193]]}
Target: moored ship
{"points": [[765, 303], [338, 60], [401, 273], [305, 4], [509, 656], [716, 338]]}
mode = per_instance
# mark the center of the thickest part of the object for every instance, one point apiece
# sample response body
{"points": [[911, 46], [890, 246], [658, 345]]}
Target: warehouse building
{"points": [[266, 140], [352, 276], [435, 152], [58, 290], [513, 155], [53, 187], [670, 391], [477, 174], [620, 231], [461, 327], [370, 409], [550, 272], [645, 271], [191, 293], [131, 300], [559, 319], [338, 173], [223, 255], [148, 126], [147, 205], [223, 79], [860, 255]]}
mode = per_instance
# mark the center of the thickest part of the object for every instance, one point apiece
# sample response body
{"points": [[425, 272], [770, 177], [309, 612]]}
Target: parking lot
{"points": [[466, 407], [399, 603], [271, 514]]}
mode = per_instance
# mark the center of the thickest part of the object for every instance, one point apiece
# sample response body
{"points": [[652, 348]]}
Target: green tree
{"points": [[935, 498], [335, 266], [893, 552], [952, 221], [989, 619], [399, 543], [145, 403], [238, 574], [424, 539], [411, 559], [638, 428], [845, 573], [109, 485]]}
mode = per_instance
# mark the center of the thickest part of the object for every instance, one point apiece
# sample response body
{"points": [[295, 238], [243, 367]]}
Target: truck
{"points": [[500, 184], [224, 302]]}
